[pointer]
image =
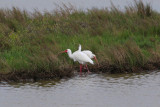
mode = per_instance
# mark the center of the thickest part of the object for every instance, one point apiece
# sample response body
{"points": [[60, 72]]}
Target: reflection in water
{"points": [[93, 90]]}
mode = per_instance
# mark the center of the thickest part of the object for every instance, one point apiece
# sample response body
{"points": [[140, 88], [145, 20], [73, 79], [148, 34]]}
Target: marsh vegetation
{"points": [[124, 41]]}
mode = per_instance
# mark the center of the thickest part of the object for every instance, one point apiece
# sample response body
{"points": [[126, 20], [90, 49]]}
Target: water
{"points": [[93, 90], [49, 5]]}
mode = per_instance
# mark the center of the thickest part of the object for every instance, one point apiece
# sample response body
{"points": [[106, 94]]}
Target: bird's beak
{"points": [[61, 52], [96, 60]]}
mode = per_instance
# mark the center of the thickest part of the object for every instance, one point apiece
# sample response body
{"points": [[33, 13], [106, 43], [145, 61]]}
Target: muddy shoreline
{"points": [[69, 72]]}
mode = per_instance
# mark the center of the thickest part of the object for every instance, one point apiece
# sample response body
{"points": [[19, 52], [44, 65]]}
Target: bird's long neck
{"points": [[70, 54]]}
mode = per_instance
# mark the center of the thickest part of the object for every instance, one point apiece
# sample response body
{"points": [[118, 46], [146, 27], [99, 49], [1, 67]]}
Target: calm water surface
{"points": [[88, 90], [49, 5]]}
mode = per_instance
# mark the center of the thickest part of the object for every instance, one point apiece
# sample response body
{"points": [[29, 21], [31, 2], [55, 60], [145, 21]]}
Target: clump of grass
{"points": [[143, 10], [29, 42]]}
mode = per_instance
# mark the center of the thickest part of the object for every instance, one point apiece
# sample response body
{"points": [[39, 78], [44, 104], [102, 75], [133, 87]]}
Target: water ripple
{"points": [[87, 90]]}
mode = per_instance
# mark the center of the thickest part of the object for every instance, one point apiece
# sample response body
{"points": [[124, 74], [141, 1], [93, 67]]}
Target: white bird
{"points": [[88, 53], [80, 57]]}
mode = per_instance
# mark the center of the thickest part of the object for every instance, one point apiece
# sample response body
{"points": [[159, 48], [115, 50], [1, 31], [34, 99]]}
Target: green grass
{"points": [[31, 41]]}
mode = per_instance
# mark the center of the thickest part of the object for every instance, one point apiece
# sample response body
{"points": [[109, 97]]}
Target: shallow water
{"points": [[49, 5], [88, 90]]}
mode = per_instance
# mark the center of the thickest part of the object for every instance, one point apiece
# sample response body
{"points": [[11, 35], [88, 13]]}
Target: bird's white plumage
{"points": [[79, 56], [82, 58], [87, 52], [79, 49]]}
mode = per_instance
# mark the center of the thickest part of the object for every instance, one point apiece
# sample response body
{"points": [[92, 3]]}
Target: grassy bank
{"points": [[122, 40]]}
